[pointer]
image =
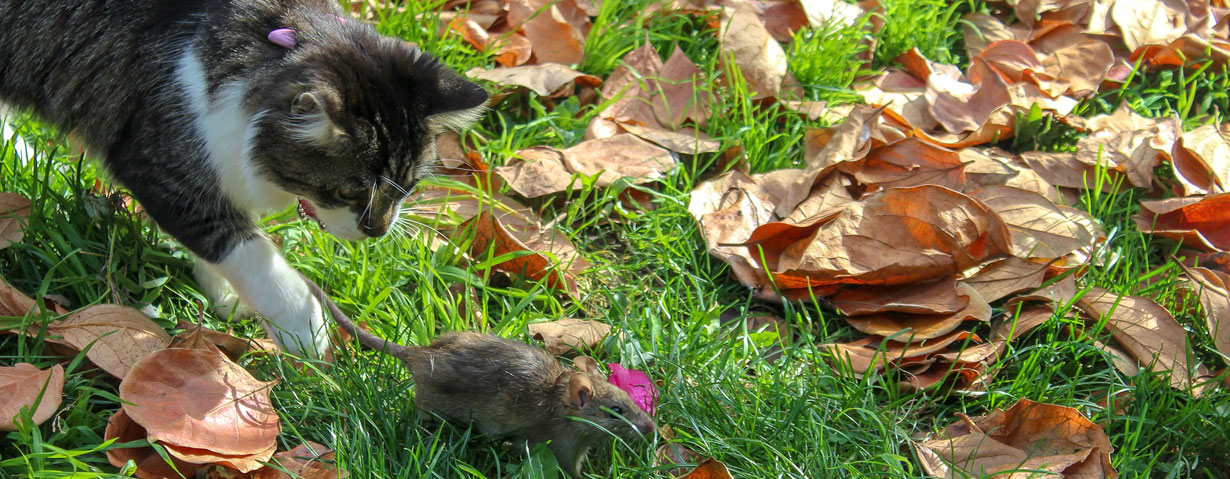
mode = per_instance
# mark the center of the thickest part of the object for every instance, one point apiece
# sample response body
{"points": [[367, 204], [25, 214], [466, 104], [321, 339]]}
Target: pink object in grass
{"points": [[283, 37], [637, 384]]}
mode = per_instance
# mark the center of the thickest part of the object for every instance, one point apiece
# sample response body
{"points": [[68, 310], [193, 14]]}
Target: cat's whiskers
{"points": [[394, 185]]}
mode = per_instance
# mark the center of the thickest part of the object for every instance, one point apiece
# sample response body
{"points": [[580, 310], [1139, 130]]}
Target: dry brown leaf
{"points": [[1150, 22], [960, 106], [569, 334], [993, 166], [1028, 436], [306, 461], [13, 302], [1201, 161], [1039, 228], [121, 336], [545, 79], [1200, 222], [544, 170], [909, 162], [199, 399], [196, 336], [671, 452], [1214, 291], [1083, 65], [149, 464], [238, 462], [728, 208], [14, 209], [682, 93], [1005, 277], [896, 236], [915, 327], [1146, 331], [507, 227], [980, 30], [556, 28], [687, 141], [874, 353], [1020, 323], [929, 297], [709, 469], [759, 57], [1131, 143], [22, 385]]}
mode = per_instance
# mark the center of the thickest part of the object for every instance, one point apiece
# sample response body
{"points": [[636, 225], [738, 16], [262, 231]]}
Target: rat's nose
{"points": [[646, 426]]}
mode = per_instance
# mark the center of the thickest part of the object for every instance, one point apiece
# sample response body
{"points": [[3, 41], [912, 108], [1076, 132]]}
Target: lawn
{"points": [[676, 311]]}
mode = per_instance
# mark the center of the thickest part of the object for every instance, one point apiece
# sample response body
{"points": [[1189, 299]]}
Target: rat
{"points": [[510, 389]]}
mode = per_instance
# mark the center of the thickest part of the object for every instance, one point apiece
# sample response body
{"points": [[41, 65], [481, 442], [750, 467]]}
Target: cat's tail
{"points": [[367, 339]]}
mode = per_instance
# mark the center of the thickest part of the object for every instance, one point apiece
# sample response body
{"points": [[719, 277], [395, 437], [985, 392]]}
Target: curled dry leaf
{"points": [[709, 469], [149, 464], [14, 209], [917, 327], [1214, 291], [508, 228], [1007, 276], [759, 57], [1146, 331], [121, 336], [547, 79], [21, 387], [1028, 436], [306, 461], [896, 236], [203, 404], [930, 297], [1131, 143], [909, 162], [1039, 228], [1201, 161], [1200, 222], [544, 170], [569, 334], [196, 336], [556, 29], [874, 353], [13, 302], [1150, 22]]}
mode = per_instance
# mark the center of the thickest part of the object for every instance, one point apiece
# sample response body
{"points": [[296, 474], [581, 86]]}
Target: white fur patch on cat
{"points": [[266, 282], [228, 130]]}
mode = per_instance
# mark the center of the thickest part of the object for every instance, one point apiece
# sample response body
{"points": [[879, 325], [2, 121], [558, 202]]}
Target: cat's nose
{"points": [[375, 230]]}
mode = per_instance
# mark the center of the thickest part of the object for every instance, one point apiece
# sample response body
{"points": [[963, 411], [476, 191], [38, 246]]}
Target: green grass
{"points": [[797, 417]]}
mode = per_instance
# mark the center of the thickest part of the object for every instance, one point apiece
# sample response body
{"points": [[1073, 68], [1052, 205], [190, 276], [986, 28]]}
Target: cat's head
{"points": [[351, 122]]}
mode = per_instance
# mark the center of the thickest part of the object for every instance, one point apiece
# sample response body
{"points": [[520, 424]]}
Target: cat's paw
{"points": [[222, 297], [300, 328]]}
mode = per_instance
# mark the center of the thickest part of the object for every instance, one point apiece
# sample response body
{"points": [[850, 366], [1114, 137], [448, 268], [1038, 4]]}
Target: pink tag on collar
{"points": [[283, 37]]}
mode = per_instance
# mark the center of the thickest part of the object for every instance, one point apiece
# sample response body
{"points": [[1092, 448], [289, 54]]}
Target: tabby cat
{"points": [[214, 111]]}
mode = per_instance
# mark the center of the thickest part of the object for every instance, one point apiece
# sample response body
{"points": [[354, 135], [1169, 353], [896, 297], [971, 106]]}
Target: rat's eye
{"points": [[617, 410]]}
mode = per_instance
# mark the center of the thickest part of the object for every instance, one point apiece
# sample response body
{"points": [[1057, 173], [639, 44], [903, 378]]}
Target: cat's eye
{"points": [[348, 195]]}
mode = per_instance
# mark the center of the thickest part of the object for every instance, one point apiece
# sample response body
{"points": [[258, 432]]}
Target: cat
{"points": [[213, 111]]}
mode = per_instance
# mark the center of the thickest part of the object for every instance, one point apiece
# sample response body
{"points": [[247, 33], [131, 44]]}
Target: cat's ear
{"points": [[310, 121], [458, 102]]}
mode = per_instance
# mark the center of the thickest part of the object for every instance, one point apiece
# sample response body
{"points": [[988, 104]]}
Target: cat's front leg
{"points": [[223, 299], [265, 281]]}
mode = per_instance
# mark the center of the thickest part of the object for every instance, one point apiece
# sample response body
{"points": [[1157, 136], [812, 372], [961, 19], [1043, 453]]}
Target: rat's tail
{"points": [[365, 338]]}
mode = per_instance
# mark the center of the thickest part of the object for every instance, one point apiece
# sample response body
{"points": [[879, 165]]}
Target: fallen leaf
{"points": [[13, 302], [638, 386], [556, 28], [895, 236], [1028, 436], [306, 461], [909, 162], [1146, 331], [1214, 291], [672, 452], [918, 327], [709, 469], [196, 336], [1150, 22], [1021, 323], [930, 297], [1200, 222], [543, 170], [149, 464], [1039, 228], [545, 79], [21, 387], [121, 336], [199, 400], [1005, 277], [758, 57], [1201, 161], [874, 353], [539, 252], [1131, 143], [569, 334], [14, 210], [1084, 65], [238, 462]]}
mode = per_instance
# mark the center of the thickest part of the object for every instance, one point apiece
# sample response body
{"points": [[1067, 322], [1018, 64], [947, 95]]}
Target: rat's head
{"points": [[591, 398], [349, 123]]}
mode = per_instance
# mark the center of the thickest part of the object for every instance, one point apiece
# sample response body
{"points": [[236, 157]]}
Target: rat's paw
{"points": [[222, 298]]}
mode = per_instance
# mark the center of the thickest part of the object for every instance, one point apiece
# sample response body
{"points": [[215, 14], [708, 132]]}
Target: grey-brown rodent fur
{"points": [[512, 390]]}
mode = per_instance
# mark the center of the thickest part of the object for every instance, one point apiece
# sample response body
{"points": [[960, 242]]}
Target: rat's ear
{"points": [[587, 364], [580, 389]]}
